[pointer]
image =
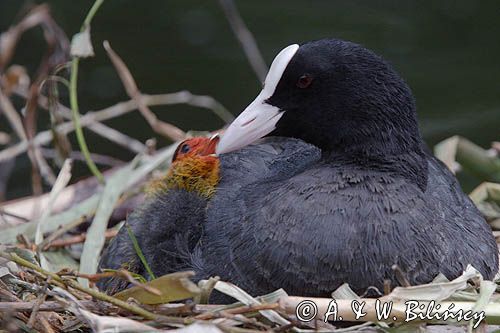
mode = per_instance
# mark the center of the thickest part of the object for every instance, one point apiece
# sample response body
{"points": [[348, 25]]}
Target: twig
{"points": [[57, 45], [61, 142], [4, 138], [9, 39], [160, 127], [105, 131], [118, 137], [164, 309], [12, 116], [43, 166], [181, 97], [37, 161], [56, 53], [36, 307], [245, 38], [73, 97], [78, 156], [241, 319], [62, 181], [73, 284], [76, 240], [25, 242], [238, 310], [122, 274], [6, 294], [61, 231]]}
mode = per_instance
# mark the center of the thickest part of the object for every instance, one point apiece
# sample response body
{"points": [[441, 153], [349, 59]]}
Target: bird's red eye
{"points": [[304, 81]]}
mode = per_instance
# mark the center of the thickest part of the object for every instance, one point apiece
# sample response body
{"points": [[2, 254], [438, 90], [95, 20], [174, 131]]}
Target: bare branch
{"points": [[105, 131], [118, 137], [57, 47], [4, 138], [110, 233], [12, 116], [160, 127], [181, 97], [245, 38], [9, 39], [44, 168], [78, 156], [16, 123]]}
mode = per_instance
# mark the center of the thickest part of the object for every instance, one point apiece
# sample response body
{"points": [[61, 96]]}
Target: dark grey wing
{"points": [[270, 161], [270, 158], [310, 233], [456, 206], [330, 224], [167, 227]]}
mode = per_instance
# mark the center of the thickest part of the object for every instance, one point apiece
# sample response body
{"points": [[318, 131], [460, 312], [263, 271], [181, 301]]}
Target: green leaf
{"points": [[138, 251], [173, 287], [458, 151], [95, 235]]}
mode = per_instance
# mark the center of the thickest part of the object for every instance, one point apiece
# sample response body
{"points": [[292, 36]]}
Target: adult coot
{"points": [[342, 190], [374, 198]]}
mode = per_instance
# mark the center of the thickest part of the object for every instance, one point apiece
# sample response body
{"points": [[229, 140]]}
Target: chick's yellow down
{"points": [[194, 168]]}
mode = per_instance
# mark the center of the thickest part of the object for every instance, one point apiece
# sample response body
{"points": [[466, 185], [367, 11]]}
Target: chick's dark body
{"points": [[167, 228]]}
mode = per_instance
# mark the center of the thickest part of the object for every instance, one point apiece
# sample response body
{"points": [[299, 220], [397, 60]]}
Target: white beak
{"points": [[259, 118]]}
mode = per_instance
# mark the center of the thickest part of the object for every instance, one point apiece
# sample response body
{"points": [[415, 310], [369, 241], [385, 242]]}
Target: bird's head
{"points": [[196, 147], [334, 94], [194, 168]]}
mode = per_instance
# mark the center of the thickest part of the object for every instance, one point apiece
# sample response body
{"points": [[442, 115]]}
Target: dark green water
{"points": [[448, 51]]}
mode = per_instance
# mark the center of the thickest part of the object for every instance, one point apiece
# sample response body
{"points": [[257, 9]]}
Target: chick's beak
{"points": [[211, 145], [259, 118]]}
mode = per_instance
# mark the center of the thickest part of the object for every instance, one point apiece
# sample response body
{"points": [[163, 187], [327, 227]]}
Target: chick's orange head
{"points": [[195, 168], [198, 146]]}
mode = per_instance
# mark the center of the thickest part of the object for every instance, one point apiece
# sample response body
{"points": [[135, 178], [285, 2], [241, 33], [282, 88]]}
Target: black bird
{"points": [[343, 189]]}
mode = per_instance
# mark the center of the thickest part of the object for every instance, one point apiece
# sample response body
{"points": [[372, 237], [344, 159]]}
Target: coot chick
{"points": [[174, 203], [375, 198]]}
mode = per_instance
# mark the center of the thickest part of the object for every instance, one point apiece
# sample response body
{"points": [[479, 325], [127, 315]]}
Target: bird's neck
{"points": [[383, 151], [198, 174]]}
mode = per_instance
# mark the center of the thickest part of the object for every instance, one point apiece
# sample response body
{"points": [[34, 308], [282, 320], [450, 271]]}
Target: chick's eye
{"points": [[184, 149], [304, 81]]}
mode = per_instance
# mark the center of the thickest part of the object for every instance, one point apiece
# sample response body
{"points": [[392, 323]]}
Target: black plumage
{"points": [[348, 191], [335, 221], [167, 228]]}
